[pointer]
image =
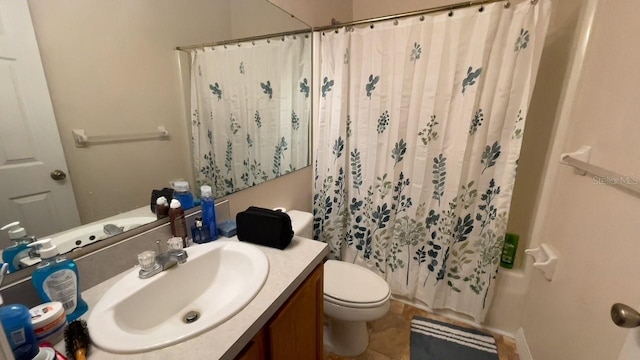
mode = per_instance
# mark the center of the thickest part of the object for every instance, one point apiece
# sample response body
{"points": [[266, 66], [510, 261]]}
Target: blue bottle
{"points": [[16, 323], [182, 193], [209, 210], [56, 279], [200, 232], [19, 249]]}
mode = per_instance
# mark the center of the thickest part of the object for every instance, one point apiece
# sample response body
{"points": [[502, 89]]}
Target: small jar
{"points": [[49, 321]]}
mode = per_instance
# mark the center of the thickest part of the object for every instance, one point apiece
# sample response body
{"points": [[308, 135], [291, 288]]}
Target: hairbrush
{"points": [[77, 340]]}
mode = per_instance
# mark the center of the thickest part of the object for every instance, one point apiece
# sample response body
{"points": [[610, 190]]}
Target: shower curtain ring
{"points": [[507, 5], [395, 22], [422, 18], [371, 26], [533, 2], [450, 12]]}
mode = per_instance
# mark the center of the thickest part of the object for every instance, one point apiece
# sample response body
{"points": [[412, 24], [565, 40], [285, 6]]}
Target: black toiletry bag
{"points": [[264, 227]]}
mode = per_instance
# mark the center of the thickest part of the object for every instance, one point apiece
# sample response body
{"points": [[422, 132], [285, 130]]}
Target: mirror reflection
{"points": [[112, 68], [250, 111]]}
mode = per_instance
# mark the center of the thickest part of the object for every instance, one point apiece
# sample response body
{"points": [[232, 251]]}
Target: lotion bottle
{"points": [[19, 249], [162, 207], [178, 222], [56, 279]]}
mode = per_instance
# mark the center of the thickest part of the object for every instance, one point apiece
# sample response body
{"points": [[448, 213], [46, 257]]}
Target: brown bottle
{"points": [[162, 208], [178, 222]]}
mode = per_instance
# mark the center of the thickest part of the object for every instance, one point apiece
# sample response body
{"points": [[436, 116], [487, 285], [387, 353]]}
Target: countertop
{"points": [[288, 268]]}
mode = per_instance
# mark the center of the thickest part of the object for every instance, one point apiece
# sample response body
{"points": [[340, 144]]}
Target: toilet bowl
{"points": [[353, 295]]}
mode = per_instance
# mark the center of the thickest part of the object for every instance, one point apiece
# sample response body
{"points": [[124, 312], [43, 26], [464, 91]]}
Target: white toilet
{"points": [[353, 295]]}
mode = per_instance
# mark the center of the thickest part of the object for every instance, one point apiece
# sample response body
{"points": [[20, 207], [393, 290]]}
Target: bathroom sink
{"points": [[218, 280]]}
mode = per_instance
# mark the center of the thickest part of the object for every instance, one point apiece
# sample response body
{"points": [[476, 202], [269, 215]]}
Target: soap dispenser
{"points": [[209, 211], [6, 352], [56, 279], [19, 249]]}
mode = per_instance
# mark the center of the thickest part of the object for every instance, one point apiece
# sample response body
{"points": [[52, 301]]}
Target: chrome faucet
{"points": [[111, 229], [152, 263]]}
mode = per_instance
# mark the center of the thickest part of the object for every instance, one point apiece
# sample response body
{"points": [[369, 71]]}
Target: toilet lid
{"points": [[353, 283]]}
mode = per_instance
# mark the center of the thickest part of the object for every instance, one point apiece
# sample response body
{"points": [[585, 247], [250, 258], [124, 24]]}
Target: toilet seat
{"points": [[353, 286], [356, 305]]}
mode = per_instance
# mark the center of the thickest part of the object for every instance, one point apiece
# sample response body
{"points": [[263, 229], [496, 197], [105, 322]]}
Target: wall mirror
{"points": [[113, 68]]}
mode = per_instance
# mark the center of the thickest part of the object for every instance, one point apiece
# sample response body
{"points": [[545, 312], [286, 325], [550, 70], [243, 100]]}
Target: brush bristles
{"points": [[76, 337]]}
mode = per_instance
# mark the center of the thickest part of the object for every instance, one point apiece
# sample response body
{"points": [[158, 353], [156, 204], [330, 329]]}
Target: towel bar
{"points": [[82, 139]]}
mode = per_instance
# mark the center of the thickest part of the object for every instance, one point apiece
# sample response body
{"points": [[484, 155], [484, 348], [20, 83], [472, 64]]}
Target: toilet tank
{"points": [[302, 223]]}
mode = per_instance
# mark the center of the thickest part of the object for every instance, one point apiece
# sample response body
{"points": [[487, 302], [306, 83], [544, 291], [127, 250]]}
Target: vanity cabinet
{"points": [[295, 331], [256, 349]]}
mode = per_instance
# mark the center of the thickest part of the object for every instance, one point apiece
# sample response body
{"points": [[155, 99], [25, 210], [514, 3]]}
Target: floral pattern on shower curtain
{"points": [[419, 134], [250, 111]]}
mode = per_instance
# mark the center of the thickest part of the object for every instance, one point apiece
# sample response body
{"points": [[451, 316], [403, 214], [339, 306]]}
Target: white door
{"points": [[30, 147]]}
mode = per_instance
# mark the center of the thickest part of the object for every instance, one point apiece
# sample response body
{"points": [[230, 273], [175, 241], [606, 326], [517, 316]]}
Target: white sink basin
{"points": [[218, 280]]}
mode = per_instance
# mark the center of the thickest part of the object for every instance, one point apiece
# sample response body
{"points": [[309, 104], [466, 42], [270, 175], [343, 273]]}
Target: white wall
{"points": [[366, 9], [259, 17], [317, 13], [507, 309], [594, 227]]}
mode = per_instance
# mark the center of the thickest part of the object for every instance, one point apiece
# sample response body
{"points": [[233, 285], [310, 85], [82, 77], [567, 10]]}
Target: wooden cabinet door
{"points": [[256, 349], [295, 332]]}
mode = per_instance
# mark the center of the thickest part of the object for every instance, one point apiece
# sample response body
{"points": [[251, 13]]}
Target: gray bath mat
{"points": [[434, 340]]}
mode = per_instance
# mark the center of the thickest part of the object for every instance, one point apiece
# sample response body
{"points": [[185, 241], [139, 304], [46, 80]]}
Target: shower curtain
{"points": [[250, 109], [419, 132]]}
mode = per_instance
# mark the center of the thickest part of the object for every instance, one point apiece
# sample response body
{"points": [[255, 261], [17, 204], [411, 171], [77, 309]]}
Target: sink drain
{"points": [[191, 316]]}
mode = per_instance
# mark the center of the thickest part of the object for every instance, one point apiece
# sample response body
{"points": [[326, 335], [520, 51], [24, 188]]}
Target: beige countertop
{"points": [[288, 268]]}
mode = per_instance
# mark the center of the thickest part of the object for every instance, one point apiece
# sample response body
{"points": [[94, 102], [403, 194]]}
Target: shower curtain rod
{"points": [[450, 7], [238, 41]]}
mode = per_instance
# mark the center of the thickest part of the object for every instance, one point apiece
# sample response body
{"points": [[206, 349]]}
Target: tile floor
{"points": [[389, 336]]}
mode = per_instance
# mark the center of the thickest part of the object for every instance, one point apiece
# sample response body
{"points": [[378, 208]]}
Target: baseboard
{"points": [[523, 347]]}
